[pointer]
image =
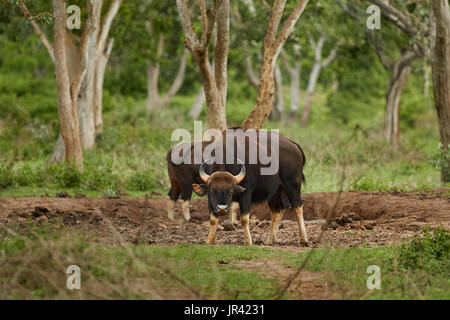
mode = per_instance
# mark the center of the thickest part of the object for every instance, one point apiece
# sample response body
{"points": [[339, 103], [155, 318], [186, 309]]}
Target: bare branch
{"points": [[330, 57], [251, 76], [204, 40], [191, 42], [38, 30], [178, 81], [222, 47], [289, 25], [274, 22], [285, 62], [378, 48], [106, 24], [312, 41]]}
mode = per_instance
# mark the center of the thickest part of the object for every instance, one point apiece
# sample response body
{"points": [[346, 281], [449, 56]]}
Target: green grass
{"points": [[416, 269], [33, 267], [34, 264]]}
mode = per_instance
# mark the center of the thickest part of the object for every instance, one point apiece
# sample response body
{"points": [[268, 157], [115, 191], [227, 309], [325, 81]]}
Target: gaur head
{"points": [[220, 187]]}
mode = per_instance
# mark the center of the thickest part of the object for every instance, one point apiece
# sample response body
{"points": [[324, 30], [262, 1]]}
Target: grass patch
{"points": [[33, 267], [416, 269]]}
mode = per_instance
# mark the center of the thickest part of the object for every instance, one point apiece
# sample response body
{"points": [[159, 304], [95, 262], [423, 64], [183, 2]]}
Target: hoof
{"points": [[304, 243]]}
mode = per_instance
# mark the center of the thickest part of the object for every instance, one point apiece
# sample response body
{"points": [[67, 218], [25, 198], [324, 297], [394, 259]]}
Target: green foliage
{"points": [[430, 252]]}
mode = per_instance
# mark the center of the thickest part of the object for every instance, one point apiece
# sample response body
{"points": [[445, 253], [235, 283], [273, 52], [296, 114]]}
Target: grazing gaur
{"points": [[184, 178], [243, 181]]}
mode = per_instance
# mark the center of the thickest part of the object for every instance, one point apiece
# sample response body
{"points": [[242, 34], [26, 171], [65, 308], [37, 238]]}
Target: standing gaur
{"points": [[242, 181]]}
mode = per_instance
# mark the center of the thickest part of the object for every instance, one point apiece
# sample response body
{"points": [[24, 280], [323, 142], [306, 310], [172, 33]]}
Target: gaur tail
{"points": [[304, 160]]}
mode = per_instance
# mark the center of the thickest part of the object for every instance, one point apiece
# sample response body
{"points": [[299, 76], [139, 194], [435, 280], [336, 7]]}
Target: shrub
{"points": [[430, 252]]}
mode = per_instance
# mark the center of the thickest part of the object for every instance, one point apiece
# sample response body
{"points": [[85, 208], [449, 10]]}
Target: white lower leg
{"points": [[213, 221], [245, 225], [301, 225], [170, 208], [274, 226], [185, 209], [234, 211]]}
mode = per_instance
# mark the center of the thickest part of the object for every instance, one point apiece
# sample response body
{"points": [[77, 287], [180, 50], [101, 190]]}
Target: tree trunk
{"points": [[152, 85], [221, 52], [66, 102], [278, 111], [391, 120], [153, 76], [198, 105], [313, 77], [98, 93], [295, 90], [294, 75], [440, 51], [263, 105], [214, 101]]}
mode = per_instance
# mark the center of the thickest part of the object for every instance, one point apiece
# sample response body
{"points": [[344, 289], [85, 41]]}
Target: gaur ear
{"points": [[200, 189], [238, 189]]}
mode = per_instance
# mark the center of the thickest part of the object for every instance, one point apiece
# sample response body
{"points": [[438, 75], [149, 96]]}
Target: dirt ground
{"points": [[376, 218]]}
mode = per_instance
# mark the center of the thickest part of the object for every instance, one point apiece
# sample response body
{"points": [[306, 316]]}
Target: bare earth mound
{"points": [[386, 217]]}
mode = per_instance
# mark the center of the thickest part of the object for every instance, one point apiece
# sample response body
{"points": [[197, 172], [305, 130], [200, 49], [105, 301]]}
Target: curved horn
{"points": [[203, 175], [238, 178]]}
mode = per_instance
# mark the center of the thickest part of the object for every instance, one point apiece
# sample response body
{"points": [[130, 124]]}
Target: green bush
{"points": [[431, 252]]}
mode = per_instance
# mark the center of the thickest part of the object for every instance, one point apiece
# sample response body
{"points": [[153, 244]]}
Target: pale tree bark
{"points": [[396, 86], [98, 93], [294, 71], [214, 82], [86, 95], [155, 100], [278, 111], [319, 64], [440, 52], [427, 79], [67, 94], [197, 107], [222, 44], [272, 46], [249, 70]]}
